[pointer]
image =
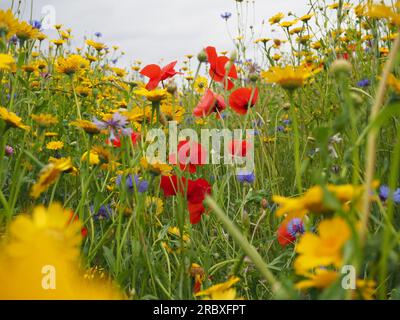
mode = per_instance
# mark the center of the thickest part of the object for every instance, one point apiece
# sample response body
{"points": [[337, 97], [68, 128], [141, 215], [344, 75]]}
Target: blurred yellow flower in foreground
{"points": [[324, 249], [7, 62], [41, 260], [221, 291], [11, 119]]}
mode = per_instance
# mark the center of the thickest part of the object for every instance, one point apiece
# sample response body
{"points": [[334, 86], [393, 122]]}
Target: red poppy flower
{"points": [[190, 155], [239, 100], [217, 68], [195, 195], [284, 237], [239, 148], [209, 103], [117, 141], [156, 74]]}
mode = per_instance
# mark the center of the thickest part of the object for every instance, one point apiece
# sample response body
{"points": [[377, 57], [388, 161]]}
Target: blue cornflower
{"points": [[36, 24], [295, 227], [363, 83], [384, 192], [226, 15], [280, 128], [98, 34], [103, 213], [141, 185], [244, 177], [286, 121]]}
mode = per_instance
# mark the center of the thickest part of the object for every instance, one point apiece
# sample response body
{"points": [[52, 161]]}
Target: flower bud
{"points": [[253, 77], [202, 56], [341, 66]]}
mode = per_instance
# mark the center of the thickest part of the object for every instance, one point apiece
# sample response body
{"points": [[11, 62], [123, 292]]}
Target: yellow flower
{"points": [[55, 145], [156, 95], [324, 249], [47, 244], [96, 45], [87, 126], [119, 72], [8, 23], [44, 120], [366, 288], [289, 77], [276, 18], [307, 17], [25, 31], [313, 200], [58, 42], [173, 113], [156, 167], [7, 63], [394, 83], [156, 204], [288, 24], [49, 174], [321, 278], [72, 64], [221, 291], [201, 84], [94, 158], [11, 119]]}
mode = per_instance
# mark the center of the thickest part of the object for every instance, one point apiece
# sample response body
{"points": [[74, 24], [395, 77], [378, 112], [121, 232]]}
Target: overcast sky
{"points": [[151, 30]]}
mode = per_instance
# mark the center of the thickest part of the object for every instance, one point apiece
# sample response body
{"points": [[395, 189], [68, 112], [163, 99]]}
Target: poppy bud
{"points": [[202, 56], [171, 88], [286, 106], [253, 77], [341, 66]]}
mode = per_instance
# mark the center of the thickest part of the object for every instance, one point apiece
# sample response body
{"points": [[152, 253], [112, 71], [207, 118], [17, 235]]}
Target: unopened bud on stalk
{"points": [[286, 106], [171, 88], [253, 77], [341, 66], [202, 56]]}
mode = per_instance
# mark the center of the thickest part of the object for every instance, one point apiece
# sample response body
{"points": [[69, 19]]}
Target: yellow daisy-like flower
{"points": [[276, 18], [321, 278], [221, 291], [7, 63], [55, 145], [156, 167], [324, 249], [94, 158], [24, 31], [289, 77], [43, 251], [58, 42], [288, 24], [87, 126], [96, 45], [173, 113], [8, 23], [44, 120], [49, 174], [201, 84], [156, 204], [306, 17], [11, 119], [394, 83], [71, 64], [156, 95], [313, 200]]}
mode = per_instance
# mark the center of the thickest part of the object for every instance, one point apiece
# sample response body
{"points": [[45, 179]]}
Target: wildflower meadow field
{"points": [[267, 171]]}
